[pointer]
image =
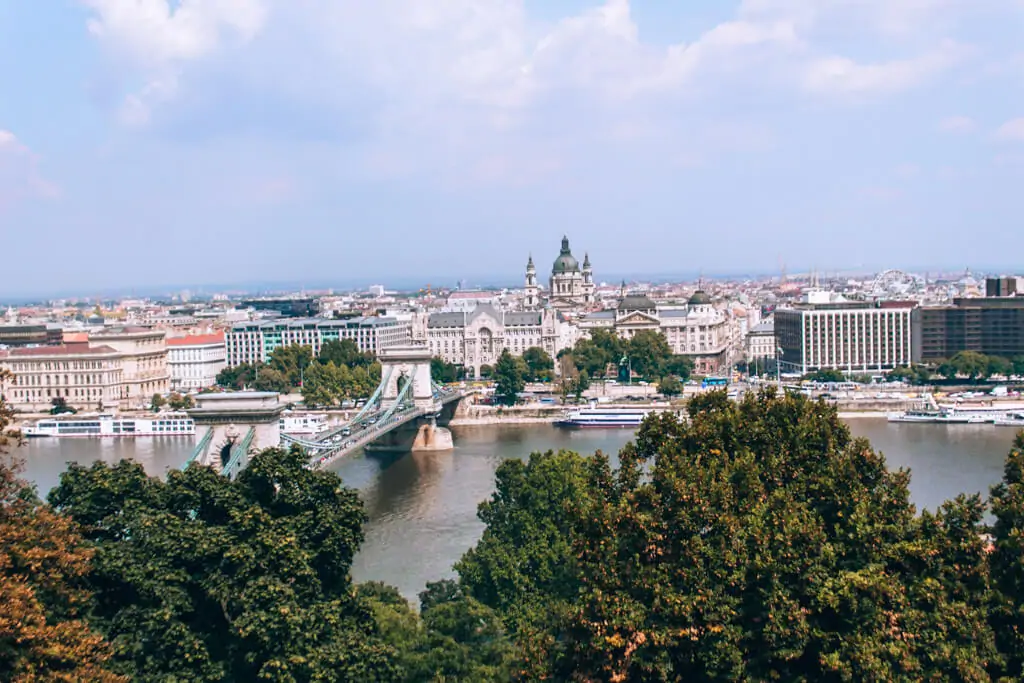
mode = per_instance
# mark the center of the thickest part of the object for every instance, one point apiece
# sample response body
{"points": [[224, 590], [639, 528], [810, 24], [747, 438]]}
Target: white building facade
{"points": [[85, 377], [851, 337], [477, 338], [761, 341], [195, 361], [699, 330], [254, 342]]}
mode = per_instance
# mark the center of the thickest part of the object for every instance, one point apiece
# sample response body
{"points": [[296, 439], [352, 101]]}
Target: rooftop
{"points": [[73, 349], [197, 339]]}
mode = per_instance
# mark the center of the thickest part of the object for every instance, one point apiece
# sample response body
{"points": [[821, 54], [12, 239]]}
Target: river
{"points": [[422, 506]]}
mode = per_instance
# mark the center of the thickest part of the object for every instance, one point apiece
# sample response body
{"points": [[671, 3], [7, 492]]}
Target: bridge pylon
{"points": [[231, 425], [407, 363]]}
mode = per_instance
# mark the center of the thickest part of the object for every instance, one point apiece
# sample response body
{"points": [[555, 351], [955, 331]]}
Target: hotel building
{"points": [[821, 334], [478, 337], [992, 325], [253, 342]]}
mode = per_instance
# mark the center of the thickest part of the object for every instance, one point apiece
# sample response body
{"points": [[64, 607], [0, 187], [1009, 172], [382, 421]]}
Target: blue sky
{"points": [[147, 142]]}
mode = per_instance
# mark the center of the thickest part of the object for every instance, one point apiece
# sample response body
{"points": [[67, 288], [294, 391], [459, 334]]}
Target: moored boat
{"points": [[166, 424], [609, 418], [302, 423]]}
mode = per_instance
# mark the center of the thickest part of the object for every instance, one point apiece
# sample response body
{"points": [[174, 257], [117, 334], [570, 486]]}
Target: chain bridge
{"points": [[408, 411]]}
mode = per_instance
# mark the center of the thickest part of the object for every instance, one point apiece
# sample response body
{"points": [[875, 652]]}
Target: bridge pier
{"points": [[223, 422]]}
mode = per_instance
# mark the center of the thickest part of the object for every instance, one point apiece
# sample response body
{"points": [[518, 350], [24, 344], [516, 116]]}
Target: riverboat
{"points": [[1010, 420], [945, 416], [609, 418], [309, 424], [166, 424]]}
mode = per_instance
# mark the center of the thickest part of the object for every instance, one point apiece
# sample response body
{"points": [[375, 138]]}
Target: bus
{"points": [[713, 382]]}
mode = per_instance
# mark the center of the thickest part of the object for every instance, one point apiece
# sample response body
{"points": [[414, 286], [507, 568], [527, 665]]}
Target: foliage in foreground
{"points": [[42, 595], [757, 541], [200, 578]]}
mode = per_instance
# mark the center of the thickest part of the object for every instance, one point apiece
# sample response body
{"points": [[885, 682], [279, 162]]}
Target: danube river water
{"points": [[422, 506]]}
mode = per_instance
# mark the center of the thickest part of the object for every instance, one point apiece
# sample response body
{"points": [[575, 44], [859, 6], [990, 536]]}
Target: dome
{"points": [[565, 263], [700, 298], [636, 302]]}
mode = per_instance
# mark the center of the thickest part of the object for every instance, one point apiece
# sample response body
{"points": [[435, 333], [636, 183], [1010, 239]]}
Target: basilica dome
{"points": [[700, 298], [566, 262]]}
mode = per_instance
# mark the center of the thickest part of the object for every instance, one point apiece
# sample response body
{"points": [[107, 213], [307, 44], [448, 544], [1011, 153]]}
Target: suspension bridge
{"points": [[407, 411]]}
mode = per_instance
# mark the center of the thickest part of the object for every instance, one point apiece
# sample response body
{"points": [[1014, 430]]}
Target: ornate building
{"points": [[476, 338], [698, 330], [570, 285]]}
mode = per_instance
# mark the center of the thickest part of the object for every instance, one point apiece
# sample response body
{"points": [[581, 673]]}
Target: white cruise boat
{"points": [[609, 418], [303, 423], [1010, 420], [166, 424]]}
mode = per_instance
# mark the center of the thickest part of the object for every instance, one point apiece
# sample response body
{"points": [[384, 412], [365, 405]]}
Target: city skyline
{"points": [[259, 141]]}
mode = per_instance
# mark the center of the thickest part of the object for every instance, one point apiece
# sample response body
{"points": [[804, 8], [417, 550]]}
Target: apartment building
{"points": [[822, 333], [194, 361], [253, 342]]}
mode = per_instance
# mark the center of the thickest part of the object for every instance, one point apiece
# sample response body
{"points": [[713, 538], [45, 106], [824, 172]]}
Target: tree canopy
{"points": [[751, 541], [539, 364], [509, 378], [203, 578], [43, 599]]}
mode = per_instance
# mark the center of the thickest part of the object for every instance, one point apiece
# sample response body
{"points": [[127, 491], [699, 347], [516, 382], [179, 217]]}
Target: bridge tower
{"points": [[400, 365], [232, 425], [411, 363]]}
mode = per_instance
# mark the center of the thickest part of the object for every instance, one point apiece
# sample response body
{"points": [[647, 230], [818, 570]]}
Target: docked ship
{"points": [[609, 418], [309, 424], [166, 424], [951, 416]]}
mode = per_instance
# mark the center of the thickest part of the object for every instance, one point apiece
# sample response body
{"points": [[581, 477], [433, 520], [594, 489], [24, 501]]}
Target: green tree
{"points": [[344, 352], [236, 377], [1005, 560], [1018, 365], [203, 578], [486, 371], [610, 343], [649, 353], [269, 379], [587, 355], [826, 375], [754, 541], [971, 364], [524, 566], [670, 386], [43, 559], [178, 401], [539, 365], [680, 366], [290, 361], [509, 378], [997, 365], [443, 371], [157, 402]]}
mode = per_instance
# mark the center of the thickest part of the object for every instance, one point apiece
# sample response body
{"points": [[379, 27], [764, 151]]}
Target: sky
{"points": [[168, 142]]}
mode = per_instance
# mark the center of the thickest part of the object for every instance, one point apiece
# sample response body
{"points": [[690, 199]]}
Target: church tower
{"points": [[532, 298], [588, 280]]}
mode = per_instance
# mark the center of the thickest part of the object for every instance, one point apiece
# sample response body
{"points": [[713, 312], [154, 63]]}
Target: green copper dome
{"points": [[565, 263], [700, 298]]}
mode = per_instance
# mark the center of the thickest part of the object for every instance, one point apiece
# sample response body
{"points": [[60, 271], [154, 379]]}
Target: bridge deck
{"points": [[336, 443]]}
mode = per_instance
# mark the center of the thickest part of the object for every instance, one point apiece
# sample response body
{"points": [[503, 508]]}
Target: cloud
{"points": [[842, 76], [1011, 131], [20, 177], [448, 86], [957, 124]]}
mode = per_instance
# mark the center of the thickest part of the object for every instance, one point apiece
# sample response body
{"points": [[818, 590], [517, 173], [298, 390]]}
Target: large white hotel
{"points": [[253, 342], [827, 334]]}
